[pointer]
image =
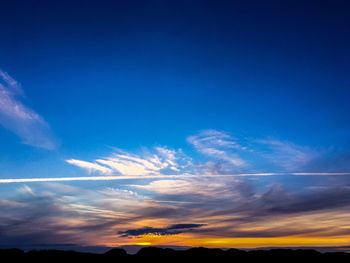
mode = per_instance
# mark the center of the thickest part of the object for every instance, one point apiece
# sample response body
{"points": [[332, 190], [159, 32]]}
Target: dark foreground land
{"points": [[154, 254]]}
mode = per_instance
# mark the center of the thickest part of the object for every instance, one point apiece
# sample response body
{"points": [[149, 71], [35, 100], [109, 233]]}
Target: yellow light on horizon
{"points": [[143, 243]]}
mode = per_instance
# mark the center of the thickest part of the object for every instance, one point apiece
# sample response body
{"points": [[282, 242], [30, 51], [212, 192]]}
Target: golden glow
{"points": [[324, 228], [224, 242], [277, 241], [143, 243]]}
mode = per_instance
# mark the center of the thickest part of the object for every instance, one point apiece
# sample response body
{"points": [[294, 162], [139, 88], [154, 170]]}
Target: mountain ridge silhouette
{"points": [[158, 254]]}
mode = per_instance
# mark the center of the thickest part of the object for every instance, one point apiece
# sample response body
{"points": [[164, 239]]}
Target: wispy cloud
{"points": [[90, 166], [218, 145], [227, 154], [20, 119], [157, 161], [202, 186], [288, 155]]}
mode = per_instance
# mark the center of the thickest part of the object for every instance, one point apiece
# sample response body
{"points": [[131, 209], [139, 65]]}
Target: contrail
{"points": [[114, 177], [143, 177], [320, 174]]}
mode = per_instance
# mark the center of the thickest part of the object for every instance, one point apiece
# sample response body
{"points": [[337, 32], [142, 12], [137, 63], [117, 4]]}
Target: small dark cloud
{"points": [[170, 230]]}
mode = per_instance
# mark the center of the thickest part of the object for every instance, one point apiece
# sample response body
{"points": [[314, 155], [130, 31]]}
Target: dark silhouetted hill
{"points": [[166, 255]]}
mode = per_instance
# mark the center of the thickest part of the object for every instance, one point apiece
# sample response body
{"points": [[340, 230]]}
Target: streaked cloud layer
{"points": [[227, 211], [219, 195]]}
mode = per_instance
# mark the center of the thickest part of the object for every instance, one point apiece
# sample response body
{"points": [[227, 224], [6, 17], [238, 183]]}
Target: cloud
{"points": [[163, 231], [288, 155], [158, 161], [213, 139], [25, 189], [228, 154], [171, 187], [200, 186], [89, 166], [218, 145], [20, 119]]}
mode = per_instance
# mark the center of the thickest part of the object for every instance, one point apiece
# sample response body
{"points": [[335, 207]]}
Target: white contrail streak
{"points": [[143, 177], [320, 174], [82, 178], [113, 177]]}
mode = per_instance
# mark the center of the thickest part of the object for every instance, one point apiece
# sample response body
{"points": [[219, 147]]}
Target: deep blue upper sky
{"points": [[143, 73]]}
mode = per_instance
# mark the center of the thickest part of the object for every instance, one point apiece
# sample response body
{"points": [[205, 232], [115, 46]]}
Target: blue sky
{"points": [[162, 88]]}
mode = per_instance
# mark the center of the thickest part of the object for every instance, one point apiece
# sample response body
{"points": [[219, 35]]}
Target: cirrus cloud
{"points": [[218, 145], [15, 116], [160, 160]]}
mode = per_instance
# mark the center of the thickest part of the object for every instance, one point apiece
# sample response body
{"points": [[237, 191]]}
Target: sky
{"points": [[187, 123]]}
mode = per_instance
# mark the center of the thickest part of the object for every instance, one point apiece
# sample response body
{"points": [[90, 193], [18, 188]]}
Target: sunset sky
{"points": [[187, 123]]}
